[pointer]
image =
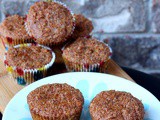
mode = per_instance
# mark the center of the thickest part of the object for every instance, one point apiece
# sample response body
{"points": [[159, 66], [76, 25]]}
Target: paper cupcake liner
{"points": [[98, 67], [8, 42], [73, 67], [54, 44], [27, 76]]}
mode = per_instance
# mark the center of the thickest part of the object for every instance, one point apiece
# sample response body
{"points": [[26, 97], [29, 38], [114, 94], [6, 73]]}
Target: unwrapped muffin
{"points": [[50, 23], [116, 105], [28, 62], [13, 32], [55, 102], [87, 55]]}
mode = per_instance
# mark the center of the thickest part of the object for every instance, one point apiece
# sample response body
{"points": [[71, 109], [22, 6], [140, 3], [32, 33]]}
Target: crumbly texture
{"points": [[13, 27], [83, 27], [115, 105], [86, 51], [28, 57], [56, 101], [49, 23]]}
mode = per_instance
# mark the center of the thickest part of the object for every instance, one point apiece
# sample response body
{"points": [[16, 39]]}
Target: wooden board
{"points": [[8, 88]]}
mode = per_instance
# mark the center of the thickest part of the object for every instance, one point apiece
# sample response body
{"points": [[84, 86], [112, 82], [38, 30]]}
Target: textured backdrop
{"points": [[131, 27]]}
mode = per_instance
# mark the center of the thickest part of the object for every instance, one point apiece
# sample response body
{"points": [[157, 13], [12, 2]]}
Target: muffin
{"points": [[50, 23], [83, 27], [28, 62], [116, 105], [55, 102], [87, 55], [13, 32]]}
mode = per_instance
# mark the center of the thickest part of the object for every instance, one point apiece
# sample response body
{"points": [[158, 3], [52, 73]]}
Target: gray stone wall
{"points": [[131, 27]]}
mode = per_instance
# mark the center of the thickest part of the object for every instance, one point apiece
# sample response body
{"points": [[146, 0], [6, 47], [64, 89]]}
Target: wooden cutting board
{"points": [[8, 88]]}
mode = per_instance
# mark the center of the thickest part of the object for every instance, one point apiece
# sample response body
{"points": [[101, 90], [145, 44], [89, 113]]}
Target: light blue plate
{"points": [[90, 84]]}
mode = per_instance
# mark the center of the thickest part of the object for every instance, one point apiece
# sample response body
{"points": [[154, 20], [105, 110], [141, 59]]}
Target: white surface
{"points": [[89, 84]]}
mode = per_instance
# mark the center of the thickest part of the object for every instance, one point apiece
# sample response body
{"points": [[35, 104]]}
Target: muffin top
{"points": [[58, 101], [28, 57], [86, 51], [13, 27], [49, 22], [116, 105], [83, 27]]}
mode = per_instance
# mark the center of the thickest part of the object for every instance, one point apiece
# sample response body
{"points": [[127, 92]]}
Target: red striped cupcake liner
{"points": [[27, 76], [98, 67]]}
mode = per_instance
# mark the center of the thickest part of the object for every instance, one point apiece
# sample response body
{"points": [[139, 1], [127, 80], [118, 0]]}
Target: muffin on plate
{"points": [[87, 55], [50, 23], [109, 105], [13, 32], [28, 62], [55, 102], [83, 27]]}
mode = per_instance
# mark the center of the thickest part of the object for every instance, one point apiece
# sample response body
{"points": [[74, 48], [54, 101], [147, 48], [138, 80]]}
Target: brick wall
{"points": [[131, 27]]}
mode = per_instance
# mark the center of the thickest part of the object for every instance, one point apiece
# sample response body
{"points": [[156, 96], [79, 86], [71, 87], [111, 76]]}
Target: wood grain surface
{"points": [[8, 88]]}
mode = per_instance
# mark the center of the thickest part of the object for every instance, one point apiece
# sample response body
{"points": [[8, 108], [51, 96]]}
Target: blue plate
{"points": [[90, 84]]}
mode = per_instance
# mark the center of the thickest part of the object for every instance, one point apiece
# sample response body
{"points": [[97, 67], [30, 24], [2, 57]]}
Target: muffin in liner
{"points": [[13, 32], [83, 27], [77, 66], [55, 102], [27, 76], [43, 34]]}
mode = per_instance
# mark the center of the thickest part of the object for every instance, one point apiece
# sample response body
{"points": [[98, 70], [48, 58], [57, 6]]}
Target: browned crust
{"points": [[86, 51], [13, 27], [109, 105], [83, 27], [49, 23], [28, 57], [56, 101]]}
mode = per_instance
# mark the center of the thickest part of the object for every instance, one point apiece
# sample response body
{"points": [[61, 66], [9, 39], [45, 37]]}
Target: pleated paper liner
{"points": [[27, 76], [75, 67], [8, 42]]}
